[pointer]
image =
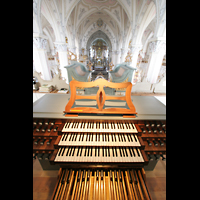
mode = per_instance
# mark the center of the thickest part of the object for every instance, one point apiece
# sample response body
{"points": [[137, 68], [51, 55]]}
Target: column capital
{"points": [[72, 49], [135, 48], [124, 50], [60, 46], [39, 43], [157, 46]]}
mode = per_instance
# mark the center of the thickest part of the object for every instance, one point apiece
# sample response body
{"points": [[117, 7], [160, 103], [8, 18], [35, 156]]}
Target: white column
{"points": [[157, 51], [134, 52], [113, 57], [117, 56], [40, 57], [123, 54], [61, 48]]}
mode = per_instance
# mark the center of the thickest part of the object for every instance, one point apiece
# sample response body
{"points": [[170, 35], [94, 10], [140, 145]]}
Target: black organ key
{"points": [[130, 152]]}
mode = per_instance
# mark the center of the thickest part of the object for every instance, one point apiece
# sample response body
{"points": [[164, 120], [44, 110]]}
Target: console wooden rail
{"points": [[100, 97]]}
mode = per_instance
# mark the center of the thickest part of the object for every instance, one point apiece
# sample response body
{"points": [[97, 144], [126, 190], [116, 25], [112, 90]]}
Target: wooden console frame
{"points": [[100, 97]]}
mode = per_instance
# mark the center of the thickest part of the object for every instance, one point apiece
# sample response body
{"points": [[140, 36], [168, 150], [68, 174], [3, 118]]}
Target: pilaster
{"points": [[157, 49], [40, 56], [134, 50], [123, 54], [61, 48]]}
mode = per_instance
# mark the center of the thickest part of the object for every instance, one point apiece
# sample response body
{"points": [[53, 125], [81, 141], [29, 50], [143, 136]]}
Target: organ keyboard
{"points": [[98, 157], [99, 127], [99, 139]]}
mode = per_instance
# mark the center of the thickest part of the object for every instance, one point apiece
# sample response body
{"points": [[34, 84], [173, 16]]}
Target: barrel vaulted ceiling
{"points": [[123, 20]]}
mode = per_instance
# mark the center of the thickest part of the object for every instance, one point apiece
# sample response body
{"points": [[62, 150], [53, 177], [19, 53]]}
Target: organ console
{"points": [[99, 156]]}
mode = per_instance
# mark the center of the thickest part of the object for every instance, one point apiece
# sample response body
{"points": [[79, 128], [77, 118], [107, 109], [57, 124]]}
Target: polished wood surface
{"points": [[96, 185], [44, 181], [100, 97]]}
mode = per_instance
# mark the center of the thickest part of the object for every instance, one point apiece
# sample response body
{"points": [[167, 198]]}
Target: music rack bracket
{"points": [[100, 97]]}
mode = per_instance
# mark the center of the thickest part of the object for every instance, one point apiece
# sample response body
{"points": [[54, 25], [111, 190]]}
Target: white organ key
{"points": [[136, 155], [69, 157], [62, 137], [109, 126], [111, 154], [117, 138], [75, 154], [129, 155], [64, 157], [84, 139], [94, 129], [101, 155], [100, 129], [85, 128], [56, 159], [140, 157], [137, 142], [125, 128], [60, 156], [118, 158], [110, 138], [116, 128], [101, 139], [70, 127], [79, 126]]}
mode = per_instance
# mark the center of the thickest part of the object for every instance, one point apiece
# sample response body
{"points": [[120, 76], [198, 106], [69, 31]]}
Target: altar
{"points": [[99, 67]]}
